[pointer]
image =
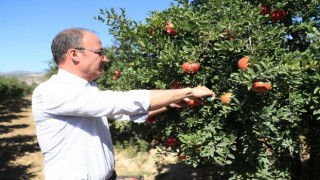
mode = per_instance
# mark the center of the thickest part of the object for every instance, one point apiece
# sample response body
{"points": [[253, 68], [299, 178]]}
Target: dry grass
{"points": [[141, 163]]}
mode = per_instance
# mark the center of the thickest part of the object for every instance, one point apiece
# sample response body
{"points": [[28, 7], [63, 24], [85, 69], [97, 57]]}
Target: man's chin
{"points": [[100, 71]]}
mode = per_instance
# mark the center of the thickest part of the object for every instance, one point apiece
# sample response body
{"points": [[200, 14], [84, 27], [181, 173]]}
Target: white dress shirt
{"points": [[72, 128]]}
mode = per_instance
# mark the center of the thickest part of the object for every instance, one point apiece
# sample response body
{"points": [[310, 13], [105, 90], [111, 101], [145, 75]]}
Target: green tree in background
{"points": [[12, 91], [53, 68], [270, 129]]}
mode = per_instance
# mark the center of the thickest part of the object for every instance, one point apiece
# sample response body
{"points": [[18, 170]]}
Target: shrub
{"points": [[12, 90]]}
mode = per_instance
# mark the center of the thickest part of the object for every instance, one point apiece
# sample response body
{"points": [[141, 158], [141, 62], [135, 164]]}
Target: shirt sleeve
{"points": [[90, 101]]}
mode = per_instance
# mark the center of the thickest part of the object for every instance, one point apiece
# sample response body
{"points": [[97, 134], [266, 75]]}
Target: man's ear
{"points": [[74, 54]]}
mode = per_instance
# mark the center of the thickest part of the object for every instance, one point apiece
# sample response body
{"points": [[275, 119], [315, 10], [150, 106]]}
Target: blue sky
{"points": [[28, 26]]}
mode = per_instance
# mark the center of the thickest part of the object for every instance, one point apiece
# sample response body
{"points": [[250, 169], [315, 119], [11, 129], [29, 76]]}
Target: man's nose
{"points": [[105, 59]]}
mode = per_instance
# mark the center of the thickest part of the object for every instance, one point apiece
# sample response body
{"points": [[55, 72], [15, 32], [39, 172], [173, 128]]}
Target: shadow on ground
{"points": [[180, 170], [16, 146], [8, 108]]}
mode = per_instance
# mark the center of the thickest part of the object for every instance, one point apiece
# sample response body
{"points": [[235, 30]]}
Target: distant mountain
{"points": [[26, 76], [13, 73]]}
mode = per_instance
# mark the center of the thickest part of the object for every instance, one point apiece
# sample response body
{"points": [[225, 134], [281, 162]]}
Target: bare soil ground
{"points": [[20, 156]]}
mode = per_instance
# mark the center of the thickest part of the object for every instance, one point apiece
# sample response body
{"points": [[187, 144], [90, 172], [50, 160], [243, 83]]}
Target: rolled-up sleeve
{"points": [[135, 105]]}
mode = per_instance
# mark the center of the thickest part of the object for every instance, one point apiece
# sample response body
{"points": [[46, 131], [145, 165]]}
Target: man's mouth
{"points": [[101, 67]]}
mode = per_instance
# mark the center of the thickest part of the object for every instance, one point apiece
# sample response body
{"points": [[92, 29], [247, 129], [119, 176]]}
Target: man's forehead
{"points": [[91, 38]]}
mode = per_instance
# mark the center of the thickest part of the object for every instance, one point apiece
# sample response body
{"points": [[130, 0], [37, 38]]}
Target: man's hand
{"points": [[200, 92], [179, 98], [174, 97], [198, 95]]}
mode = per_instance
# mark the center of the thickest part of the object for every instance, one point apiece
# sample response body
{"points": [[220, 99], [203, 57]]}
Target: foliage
{"points": [[259, 135], [53, 68], [125, 136], [12, 90]]}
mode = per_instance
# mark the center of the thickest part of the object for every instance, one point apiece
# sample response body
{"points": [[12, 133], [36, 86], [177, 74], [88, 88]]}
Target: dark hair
{"points": [[69, 38]]}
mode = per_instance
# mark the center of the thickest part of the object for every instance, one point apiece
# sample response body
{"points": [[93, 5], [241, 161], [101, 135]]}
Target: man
{"points": [[71, 113]]}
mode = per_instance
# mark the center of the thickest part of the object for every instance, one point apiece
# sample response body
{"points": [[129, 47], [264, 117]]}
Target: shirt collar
{"points": [[71, 77]]}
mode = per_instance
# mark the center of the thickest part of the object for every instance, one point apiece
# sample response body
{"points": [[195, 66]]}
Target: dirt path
{"points": [[20, 156]]}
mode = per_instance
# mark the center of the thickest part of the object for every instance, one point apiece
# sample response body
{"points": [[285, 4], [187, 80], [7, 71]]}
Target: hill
{"points": [[26, 76]]}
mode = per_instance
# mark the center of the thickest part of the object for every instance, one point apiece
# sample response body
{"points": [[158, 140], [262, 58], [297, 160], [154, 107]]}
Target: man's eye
{"points": [[101, 53]]}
